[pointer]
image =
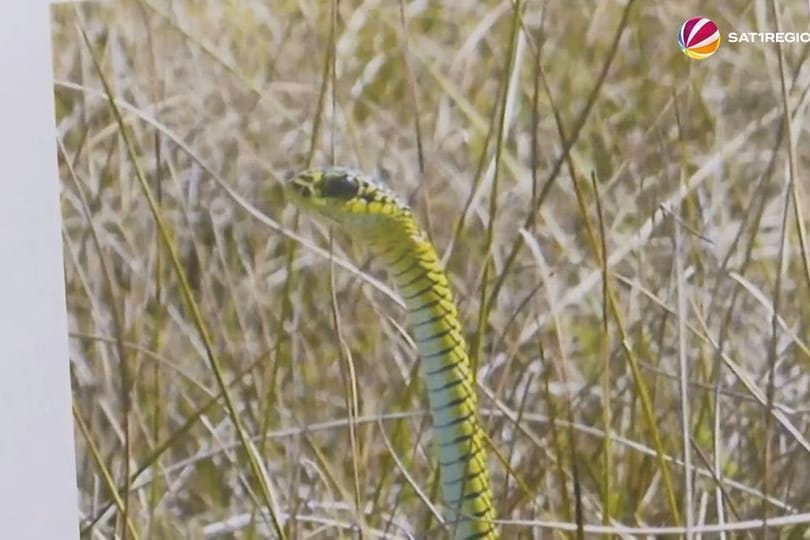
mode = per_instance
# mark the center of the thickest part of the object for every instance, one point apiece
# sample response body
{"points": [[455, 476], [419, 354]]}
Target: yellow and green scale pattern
{"points": [[372, 213]]}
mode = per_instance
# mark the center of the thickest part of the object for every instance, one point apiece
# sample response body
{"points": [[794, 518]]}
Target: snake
{"points": [[372, 213]]}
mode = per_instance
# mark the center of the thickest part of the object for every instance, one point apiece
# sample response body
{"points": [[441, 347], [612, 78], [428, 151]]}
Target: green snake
{"points": [[371, 212]]}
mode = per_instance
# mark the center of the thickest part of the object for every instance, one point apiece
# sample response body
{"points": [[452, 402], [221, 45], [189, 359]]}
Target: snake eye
{"points": [[340, 187]]}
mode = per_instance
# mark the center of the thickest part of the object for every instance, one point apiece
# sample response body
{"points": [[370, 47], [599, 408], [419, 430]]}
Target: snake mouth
{"points": [[300, 184], [302, 190]]}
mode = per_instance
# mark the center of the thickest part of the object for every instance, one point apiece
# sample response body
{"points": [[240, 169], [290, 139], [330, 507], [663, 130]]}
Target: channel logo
{"points": [[699, 38]]}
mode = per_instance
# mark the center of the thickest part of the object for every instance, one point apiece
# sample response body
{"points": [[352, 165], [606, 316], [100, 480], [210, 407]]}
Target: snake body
{"points": [[371, 212]]}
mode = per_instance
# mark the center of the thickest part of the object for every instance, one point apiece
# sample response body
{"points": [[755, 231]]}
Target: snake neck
{"points": [[445, 366]]}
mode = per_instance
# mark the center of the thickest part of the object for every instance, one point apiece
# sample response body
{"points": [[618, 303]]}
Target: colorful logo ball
{"points": [[699, 38]]}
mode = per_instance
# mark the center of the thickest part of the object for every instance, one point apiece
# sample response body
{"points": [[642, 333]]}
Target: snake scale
{"points": [[371, 212]]}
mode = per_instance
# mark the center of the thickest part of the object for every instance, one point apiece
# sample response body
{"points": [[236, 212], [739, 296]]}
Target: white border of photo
{"points": [[38, 495]]}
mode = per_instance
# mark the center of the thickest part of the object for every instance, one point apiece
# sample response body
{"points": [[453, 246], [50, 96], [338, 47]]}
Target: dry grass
{"points": [[669, 241]]}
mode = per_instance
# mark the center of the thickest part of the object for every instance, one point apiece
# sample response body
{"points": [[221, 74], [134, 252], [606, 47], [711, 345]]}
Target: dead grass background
{"points": [[641, 339]]}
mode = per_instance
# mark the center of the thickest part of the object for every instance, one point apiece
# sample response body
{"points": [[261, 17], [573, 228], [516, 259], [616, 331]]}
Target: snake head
{"points": [[315, 188], [345, 196], [330, 192]]}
